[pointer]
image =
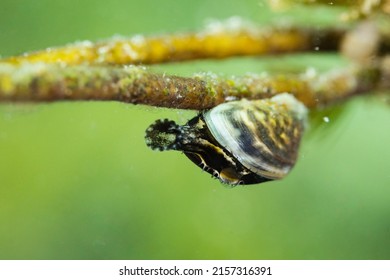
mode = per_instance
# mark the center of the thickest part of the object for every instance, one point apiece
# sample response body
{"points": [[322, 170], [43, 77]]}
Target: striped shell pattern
{"points": [[238, 142]]}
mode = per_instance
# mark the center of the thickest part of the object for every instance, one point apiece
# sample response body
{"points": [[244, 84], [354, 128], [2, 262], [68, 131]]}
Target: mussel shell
{"points": [[263, 135]]}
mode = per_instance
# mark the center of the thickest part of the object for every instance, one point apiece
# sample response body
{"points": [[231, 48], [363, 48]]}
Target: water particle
{"points": [[326, 119], [310, 73], [129, 51], [230, 98], [138, 40]]}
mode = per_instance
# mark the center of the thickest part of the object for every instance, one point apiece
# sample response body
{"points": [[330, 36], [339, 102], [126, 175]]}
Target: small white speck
{"points": [[85, 43], [230, 98], [317, 48], [129, 51], [103, 50], [310, 73], [326, 119], [138, 40]]}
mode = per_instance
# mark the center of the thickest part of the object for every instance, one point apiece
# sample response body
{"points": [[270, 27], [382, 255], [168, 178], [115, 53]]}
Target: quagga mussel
{"points": [[238, 142]]}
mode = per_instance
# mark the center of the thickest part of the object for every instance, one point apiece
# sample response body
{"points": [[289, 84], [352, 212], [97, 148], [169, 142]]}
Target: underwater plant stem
{"points": [[357, 8], [134, 84], [218, 40]]}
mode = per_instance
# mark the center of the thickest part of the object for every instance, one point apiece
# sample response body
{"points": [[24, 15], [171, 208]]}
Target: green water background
{"points": [[78, 182]]}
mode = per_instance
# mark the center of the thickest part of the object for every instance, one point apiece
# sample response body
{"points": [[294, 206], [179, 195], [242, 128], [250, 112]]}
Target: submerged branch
{"points": [[218, 40], [356, 9], [134, 84]]}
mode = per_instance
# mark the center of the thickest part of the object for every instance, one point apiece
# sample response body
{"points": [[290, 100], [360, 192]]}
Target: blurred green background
{"points": [[78, 182]]}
